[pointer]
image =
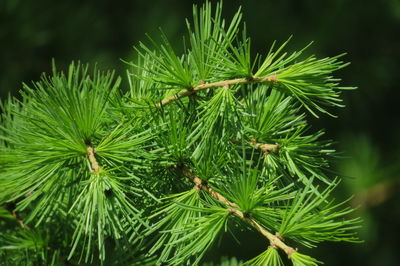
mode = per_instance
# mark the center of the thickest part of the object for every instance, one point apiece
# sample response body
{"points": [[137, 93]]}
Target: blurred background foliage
{"points": [[367, 130]]}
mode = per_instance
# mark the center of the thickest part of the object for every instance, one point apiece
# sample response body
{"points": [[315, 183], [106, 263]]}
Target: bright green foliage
{"points": [[268, 257], [89, 174], [44, 159], [313, 219], [299, 259]]}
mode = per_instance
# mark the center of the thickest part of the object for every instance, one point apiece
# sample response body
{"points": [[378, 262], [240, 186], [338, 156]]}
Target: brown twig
{"points": [[203, 86], [275, 240], [266, 148], [92, 159], [200, 184]]}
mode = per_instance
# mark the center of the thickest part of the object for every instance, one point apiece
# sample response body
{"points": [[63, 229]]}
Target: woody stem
{"points": [[92, 159], [193, 90], [274, 240]]}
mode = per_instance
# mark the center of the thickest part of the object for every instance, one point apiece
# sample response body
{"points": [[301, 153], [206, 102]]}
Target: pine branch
{"points": [[94, 159], [271, 78], [274, 240]]}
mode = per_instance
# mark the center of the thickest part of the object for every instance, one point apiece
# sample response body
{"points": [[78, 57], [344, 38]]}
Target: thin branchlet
{"points": [[92, 159], [265, 147], [224, 83], [275, 240], [200, 184]]}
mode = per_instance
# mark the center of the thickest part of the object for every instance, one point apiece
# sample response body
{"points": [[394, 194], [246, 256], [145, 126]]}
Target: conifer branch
{"points": [[275, 240], [270, 78], [94, 164], [46, 127]]}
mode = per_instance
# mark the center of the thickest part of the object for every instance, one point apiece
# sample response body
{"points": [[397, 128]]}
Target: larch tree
{"points": [[202, 143]]}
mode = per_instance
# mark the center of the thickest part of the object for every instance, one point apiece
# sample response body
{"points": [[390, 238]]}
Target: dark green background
{"points": [[34, 32]]}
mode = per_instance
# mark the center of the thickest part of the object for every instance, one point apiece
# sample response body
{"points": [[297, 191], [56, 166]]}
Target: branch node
{"points": [[279, 236], [273, 78], [273, 246], [250, 78], [92, 159], [231, 211], [266, 148]]}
